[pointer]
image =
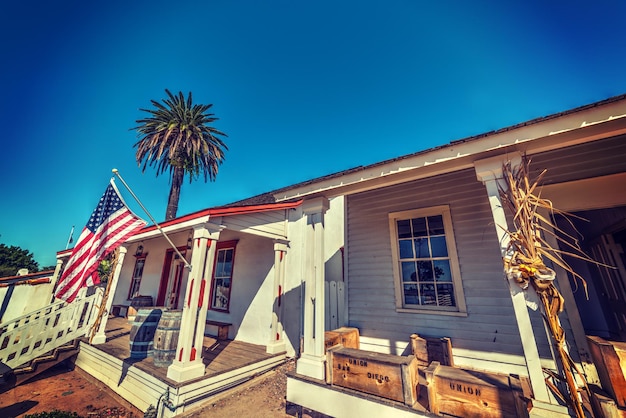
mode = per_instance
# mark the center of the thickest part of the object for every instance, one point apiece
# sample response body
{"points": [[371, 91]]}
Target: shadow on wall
{"points": [[291, 303], [333, 268]]}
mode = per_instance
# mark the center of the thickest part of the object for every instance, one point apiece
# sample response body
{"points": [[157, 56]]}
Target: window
{"points": [[135, 281], [425, 264], [222, 275]]}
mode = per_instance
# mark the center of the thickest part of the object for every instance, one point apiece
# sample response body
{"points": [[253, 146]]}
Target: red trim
{"points": [[180, 356], [190, 293], [202, 286], [38, 274], [192, 357]]}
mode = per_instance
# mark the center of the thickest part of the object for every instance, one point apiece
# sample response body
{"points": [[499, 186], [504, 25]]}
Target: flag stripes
{"points": [[110, 225]]}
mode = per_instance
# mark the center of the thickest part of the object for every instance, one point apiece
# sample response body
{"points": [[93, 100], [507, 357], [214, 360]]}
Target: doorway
{"points": [[173, 280], [603, 237]]}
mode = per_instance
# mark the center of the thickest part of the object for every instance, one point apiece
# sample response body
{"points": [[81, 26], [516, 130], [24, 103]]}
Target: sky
{"points": [[302, 89]]}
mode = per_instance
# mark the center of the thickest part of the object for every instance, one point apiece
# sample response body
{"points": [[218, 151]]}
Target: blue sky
{"points": [[303, 89]]}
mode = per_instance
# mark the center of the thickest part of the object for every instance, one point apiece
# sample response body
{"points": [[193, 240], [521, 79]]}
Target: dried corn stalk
{"points": [[525, 263]]}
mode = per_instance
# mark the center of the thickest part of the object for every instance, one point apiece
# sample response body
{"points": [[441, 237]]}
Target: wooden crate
{"points": [[427, 349], [610, 360], [467, 393], [346, 336], [384, 375]]}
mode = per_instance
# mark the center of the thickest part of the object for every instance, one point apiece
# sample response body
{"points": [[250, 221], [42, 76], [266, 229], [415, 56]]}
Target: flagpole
{"points": [[187, 265], [69, 240]]}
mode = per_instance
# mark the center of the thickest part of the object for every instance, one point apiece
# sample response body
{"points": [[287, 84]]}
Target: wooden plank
{"points": [[341, 304], [610, 360], [332, 302], [426, 350]]}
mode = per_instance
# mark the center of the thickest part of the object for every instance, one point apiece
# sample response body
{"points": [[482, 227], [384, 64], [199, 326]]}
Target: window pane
{"points": [[438, 245], [442, 271], [419, 227], [404, 229], [435, 225], [421, 248], [425, 271], [427, 292], [228, 262], [139, 269], [406, 248], [446, 295], [410, 294], [219, 268], [408, 271]]}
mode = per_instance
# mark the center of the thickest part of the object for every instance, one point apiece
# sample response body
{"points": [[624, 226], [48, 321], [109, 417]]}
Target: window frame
{"points": [[444, 211], [222, 245], [137, 279]]}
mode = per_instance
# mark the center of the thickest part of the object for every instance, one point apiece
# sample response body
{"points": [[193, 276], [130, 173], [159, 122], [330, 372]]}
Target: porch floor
{"points": [[219, 356]]}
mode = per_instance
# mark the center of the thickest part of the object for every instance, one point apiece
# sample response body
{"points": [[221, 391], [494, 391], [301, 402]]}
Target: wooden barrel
{"points": [[166, 338], [137, 303], [142, 332]]}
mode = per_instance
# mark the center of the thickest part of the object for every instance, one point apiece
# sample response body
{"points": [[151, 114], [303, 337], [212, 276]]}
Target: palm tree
{"points": [[178, 136]]}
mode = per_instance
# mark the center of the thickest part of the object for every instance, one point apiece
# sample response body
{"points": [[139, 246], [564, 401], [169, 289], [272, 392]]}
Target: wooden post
{"points": [[489, 171], [311, 361], [187, 363], [276, 343], [100, 337]]}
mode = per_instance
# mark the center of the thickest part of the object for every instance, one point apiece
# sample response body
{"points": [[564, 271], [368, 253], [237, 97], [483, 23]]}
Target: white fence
{"points": [[335, 295], [41, 331]]}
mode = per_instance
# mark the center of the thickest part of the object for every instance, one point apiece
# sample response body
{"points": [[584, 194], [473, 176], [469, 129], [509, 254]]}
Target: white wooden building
{"points": [[246, 280], [454, 188], [263, 266]]}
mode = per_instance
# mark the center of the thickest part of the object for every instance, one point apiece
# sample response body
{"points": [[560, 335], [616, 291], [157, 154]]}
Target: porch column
{"points": [[55, 277], [276, 343], [311, 361], [100, 337], [489, 171], [188, 361]]}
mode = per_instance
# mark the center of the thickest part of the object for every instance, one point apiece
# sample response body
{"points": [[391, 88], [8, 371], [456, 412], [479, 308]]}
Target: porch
{"points": [[227, 364]]}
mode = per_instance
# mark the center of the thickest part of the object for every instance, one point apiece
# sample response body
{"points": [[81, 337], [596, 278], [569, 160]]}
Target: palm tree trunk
{"points": [[172, 201]]}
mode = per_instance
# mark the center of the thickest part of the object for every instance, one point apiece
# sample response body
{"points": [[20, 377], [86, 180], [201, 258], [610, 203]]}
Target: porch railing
{"points": [[34, 334]]}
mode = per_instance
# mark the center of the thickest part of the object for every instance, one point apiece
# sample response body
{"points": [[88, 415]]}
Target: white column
{"points": [[55, 277], [489, 171], [311, 361], [276, 343], [188, 361], [100, 336]]}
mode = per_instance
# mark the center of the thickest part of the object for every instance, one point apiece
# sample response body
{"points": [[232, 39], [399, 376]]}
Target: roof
{"points": [[27, 277]]}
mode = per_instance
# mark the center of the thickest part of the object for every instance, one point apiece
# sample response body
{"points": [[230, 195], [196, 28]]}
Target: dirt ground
{"points": [[76, 391]]}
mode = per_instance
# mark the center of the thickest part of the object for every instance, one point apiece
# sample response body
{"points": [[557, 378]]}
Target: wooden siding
{"points": [[267, 224], [599, 158], [490, 325]]}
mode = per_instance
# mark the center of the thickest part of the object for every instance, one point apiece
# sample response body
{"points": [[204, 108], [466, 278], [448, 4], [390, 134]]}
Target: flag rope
{"points": [[158, 227]]}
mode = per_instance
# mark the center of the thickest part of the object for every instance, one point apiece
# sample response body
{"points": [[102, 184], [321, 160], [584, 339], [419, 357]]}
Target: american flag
{"points": [[111, 223]]}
